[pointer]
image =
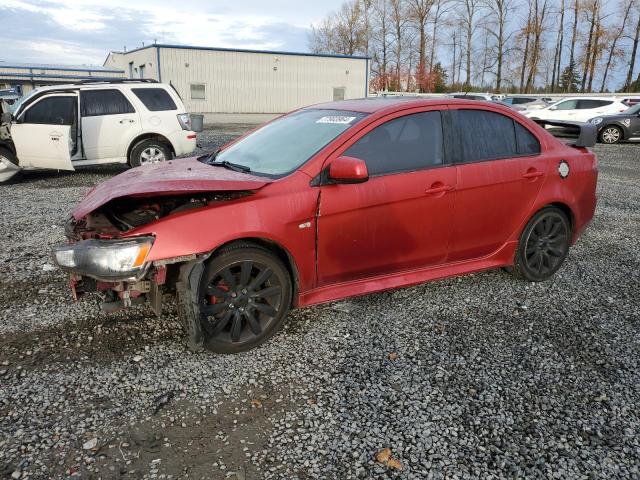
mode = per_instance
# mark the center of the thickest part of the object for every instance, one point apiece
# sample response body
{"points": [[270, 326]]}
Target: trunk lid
{"points": [[175, 177]]}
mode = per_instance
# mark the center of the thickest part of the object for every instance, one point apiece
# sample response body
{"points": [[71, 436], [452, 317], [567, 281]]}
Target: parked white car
{"points": [[121, 121], [579, 109]]}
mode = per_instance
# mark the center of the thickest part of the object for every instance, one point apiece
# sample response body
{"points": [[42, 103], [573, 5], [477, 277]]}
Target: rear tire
{"points": [[611, 134], [149, 152], [244, 297], [543, 246]]}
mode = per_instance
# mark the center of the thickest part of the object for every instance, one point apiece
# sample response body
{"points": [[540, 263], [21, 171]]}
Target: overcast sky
{"points": [[83, 32]]}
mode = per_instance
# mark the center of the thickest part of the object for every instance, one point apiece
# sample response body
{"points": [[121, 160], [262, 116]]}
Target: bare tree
{"points": [[403, 38], [540, 13], [632, 60], [499, 10], [592, 12], [617, 34], [468, 21], [557, 58], [341, 32], [526, 31], [574, 31], [441, 8], [419, 11], [399, 20]]}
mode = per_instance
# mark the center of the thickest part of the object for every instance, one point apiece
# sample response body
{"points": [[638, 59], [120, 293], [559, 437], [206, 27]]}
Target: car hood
{"points": [[171, 178]]}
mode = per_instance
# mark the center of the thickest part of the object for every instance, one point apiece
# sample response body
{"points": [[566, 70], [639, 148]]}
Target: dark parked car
{"points": [[616, 128]]}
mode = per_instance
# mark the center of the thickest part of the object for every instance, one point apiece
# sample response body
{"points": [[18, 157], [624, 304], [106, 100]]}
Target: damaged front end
{"points": [[104, 256]]}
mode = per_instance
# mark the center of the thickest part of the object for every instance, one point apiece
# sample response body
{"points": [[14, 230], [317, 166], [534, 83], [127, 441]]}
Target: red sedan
{"points": [[328, 202]]}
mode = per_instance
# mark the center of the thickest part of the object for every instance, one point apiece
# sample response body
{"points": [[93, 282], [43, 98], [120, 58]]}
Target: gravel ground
{"points": [[479, 376]]}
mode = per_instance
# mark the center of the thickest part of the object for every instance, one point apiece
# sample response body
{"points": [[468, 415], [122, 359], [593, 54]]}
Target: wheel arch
{"points": [[619, 127], [149, 136], [8, 146], [564, 208], [274, 247]]}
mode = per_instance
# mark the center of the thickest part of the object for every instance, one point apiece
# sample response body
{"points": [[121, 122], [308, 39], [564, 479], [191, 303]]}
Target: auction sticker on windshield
{"points": [[336, 119]]}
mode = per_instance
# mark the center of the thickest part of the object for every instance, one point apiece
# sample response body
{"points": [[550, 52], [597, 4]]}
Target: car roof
{"points": [[590, 98], [98, 85], [378, 104]]}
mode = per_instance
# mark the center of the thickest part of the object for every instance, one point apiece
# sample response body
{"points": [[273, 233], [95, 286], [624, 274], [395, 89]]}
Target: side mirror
{"points": [[553, 108], [348, 170]]}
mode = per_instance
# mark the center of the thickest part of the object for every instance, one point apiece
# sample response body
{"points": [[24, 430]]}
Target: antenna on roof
{"points": [[125, 48], [143, 44]]}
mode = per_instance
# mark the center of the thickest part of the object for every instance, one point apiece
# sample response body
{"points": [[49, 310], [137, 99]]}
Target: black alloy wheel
{"points": [[544, 245], [245, 297]]}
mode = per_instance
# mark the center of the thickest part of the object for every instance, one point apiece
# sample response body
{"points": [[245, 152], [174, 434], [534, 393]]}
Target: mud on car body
{"points": [[328, 202]]}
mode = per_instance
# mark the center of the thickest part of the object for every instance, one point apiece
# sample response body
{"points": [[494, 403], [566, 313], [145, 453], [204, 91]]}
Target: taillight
{"points": [[185, 121]]}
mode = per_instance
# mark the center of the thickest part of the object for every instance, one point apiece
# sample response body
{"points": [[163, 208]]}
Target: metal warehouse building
{"points": [[24, 77], [245, 85]]}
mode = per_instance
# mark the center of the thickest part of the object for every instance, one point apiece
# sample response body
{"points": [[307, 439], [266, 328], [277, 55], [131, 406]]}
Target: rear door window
{"points": [[586, 104], [567, 105], [523, 100], [483, 135], [104, 102], [408, 143], [155, 99], [52, 111]]}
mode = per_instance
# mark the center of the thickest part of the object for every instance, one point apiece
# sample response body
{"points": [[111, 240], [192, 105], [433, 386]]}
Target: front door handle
{"points": [[532, 173], [438, 187]]}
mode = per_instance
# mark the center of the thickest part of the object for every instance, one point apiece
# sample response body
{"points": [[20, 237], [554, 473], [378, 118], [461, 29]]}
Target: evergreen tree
{"points": [[570, 79], [440, 78]]}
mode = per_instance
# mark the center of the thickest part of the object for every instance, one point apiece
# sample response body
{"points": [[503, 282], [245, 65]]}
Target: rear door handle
{"points": [[532, 173], [127, 120], [439, 189]]}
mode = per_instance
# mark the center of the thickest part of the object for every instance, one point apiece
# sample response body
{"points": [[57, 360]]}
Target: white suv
{"points": [[579, 109], [121, 121]]}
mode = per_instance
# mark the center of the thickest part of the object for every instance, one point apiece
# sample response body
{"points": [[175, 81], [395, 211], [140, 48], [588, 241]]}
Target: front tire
{"points": [[611, 134], [543, 246], [244, 297], [148, 152]]}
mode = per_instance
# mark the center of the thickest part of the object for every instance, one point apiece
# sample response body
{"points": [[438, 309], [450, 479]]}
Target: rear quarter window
{"points": [[527, 143], [585, 104], [155, 99]]}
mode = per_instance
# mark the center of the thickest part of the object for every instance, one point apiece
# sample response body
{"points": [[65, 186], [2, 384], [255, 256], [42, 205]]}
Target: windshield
{"points": [[283, 145], [633, 110]]}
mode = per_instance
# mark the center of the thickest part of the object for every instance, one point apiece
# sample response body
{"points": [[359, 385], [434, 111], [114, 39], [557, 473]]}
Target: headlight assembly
{"points": [[595, 121], [108, 260]]}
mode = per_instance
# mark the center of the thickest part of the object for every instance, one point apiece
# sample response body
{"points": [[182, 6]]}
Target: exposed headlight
{"points": [[595, 121], [108, 260], [185, 121]]}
